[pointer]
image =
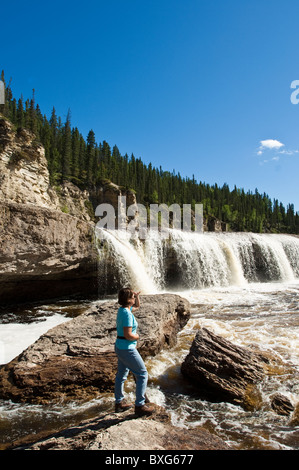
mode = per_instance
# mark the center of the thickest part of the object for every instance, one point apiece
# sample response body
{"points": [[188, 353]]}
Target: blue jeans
{"points": [[130, 360]]}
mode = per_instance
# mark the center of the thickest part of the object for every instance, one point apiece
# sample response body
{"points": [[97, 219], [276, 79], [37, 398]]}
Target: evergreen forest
{"points": [[89, 164]]}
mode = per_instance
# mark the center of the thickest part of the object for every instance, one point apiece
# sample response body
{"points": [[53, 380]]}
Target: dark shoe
{"points": [[144, 410], [122, 406]]}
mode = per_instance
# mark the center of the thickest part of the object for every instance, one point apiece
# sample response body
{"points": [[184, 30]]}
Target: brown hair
{"points": [[124, 295]]}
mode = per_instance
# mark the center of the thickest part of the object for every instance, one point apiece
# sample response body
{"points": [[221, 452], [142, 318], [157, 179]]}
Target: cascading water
{"points": [[186, 260], [127, 260]]}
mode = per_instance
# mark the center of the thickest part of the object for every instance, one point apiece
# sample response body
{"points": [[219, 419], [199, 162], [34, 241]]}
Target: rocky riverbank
{"points": [[76, 360], [124, 431], [46, 235], [44, 254]]}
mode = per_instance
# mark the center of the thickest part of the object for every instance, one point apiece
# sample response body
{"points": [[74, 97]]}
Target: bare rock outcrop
{"points": [[24, 175], [76, 360], [25, 179], [223, 371]]}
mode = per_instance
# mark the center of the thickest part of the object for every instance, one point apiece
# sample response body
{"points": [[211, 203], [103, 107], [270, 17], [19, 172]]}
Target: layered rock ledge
{"points": [[76, 360], [44, 253]]}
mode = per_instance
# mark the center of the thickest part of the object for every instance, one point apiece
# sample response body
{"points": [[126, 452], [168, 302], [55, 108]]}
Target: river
{"points": [[253, 304]]}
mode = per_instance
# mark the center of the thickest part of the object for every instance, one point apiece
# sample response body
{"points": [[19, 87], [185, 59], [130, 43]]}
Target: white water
{"points": [[263, 316], [16, 337], [129, 260], [199, 260]]}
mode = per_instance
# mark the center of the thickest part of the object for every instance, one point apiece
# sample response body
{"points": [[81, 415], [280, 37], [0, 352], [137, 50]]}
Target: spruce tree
{"points": [[90, 157], [86, 163], [75, 155], [20, 113], [67, 149], [32, 115]]}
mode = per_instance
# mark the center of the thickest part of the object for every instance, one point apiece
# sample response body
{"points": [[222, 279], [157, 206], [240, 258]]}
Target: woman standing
{"points": [[129, 358]]}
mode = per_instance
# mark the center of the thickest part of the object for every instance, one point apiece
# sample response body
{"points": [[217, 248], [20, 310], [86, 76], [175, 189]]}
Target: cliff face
{"points": [[24, 176], [44, 254], [46, 237]]}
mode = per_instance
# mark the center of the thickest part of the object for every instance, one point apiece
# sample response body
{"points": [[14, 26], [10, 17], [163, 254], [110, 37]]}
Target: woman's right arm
{"points": [[129, 335]]}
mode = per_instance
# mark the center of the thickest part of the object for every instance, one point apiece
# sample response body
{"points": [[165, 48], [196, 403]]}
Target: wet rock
{"points": [[76, 360], [124, 431], [295, 416], [281, 404], [222, 371]]}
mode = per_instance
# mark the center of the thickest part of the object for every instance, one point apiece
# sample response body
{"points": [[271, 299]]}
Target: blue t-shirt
{"points": [[125, 318]]}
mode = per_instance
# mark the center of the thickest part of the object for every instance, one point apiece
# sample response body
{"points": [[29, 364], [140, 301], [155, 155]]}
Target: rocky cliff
{"points": [[46, 250], [44, 254]]}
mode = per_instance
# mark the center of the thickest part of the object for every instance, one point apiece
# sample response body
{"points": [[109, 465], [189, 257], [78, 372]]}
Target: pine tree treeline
{"points": [[89, 164]]}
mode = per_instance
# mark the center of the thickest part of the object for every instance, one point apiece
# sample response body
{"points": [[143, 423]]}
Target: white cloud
{"points": [[270, 144], [289, 152], [274, 159]]}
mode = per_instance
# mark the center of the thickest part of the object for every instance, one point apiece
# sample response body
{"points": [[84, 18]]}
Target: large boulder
{"points": [[76, 360], [223, 371]]}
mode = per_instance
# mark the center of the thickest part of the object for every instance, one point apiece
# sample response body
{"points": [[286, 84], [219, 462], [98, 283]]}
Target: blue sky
{"points": [[191, 85]]}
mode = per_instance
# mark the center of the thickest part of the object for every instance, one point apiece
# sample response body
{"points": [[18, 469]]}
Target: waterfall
{"points": [[123, 262], [187, 260]]}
